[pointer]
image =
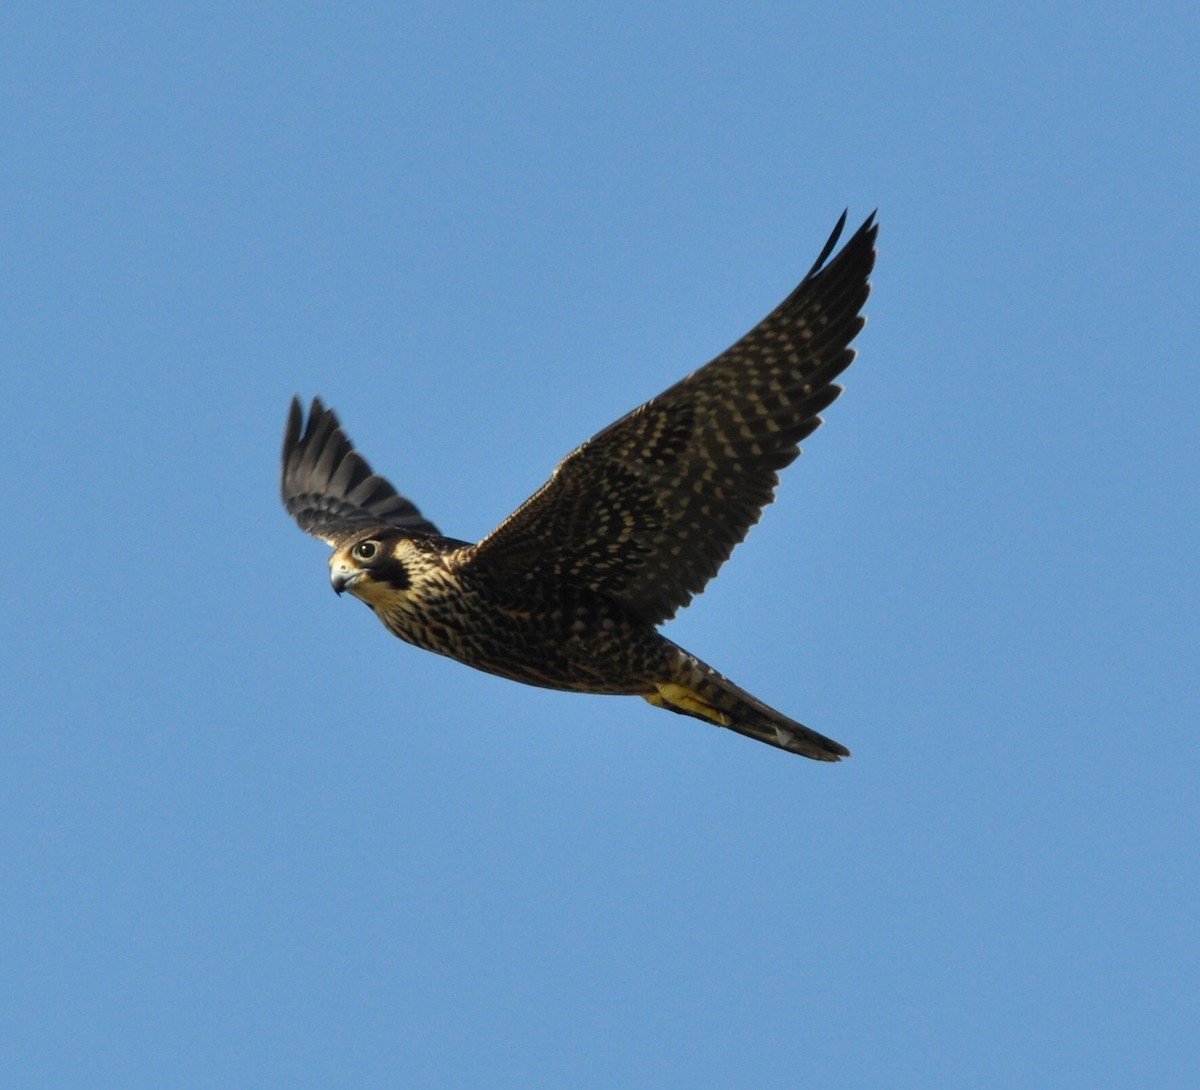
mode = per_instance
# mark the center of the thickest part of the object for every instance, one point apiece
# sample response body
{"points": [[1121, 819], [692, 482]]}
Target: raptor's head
{"points": [[382, 566]]}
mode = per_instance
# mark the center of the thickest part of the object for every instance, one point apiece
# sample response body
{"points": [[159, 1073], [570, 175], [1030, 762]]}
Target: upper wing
{"points": [[328, 487], [648, 510]]}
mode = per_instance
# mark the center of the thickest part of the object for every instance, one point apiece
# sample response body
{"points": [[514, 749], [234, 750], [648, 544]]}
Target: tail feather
{"points": [[700, 691]]}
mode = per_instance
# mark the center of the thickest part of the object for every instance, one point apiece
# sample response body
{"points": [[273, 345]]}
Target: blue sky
{"points": [[248, 839]]}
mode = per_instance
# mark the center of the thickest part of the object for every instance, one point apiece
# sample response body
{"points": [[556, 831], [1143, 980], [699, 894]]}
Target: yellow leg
{"points": [[678, 699]]}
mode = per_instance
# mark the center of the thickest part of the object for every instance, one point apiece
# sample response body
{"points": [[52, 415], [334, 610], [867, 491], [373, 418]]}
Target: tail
{"points": [[697, 689]]}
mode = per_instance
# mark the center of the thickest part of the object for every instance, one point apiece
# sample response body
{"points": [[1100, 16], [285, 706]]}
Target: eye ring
{"points": [[365, 550]]}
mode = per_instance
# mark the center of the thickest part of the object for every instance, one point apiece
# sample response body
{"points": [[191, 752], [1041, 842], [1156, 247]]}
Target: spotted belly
{"points": [[577, 642]]}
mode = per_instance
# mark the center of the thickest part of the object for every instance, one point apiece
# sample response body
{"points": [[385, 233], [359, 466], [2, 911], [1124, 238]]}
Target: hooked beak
{"points": [[342, 577]]}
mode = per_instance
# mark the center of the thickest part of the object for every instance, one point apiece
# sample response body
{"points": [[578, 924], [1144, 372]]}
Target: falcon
{"points": [[568, 592]]}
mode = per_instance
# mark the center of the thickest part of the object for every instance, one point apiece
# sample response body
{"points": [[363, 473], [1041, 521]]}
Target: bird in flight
{"points": [[568, 591]]}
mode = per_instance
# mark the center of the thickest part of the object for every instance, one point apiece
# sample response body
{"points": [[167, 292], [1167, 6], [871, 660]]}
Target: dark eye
{"points": [[365, 550]]}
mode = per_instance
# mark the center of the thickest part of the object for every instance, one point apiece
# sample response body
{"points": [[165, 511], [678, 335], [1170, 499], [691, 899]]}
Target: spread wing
{"points": [[328, 487], [648, 510]]}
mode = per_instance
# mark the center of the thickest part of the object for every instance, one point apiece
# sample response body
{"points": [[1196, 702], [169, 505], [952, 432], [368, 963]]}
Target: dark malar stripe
{"points": [[393, 573]]}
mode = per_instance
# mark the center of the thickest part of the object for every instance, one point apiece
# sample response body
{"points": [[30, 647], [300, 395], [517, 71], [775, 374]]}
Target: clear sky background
{"points": [[249, 839]]}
